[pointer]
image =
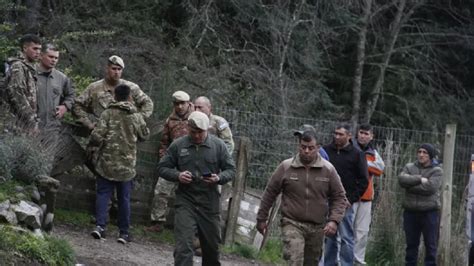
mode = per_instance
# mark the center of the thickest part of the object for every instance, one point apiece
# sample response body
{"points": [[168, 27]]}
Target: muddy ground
{"points": [[109, 252]]}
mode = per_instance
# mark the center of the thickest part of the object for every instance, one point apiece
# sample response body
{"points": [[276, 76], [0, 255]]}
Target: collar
{"points": [[40, 70], [296, 163], [206, 143]]}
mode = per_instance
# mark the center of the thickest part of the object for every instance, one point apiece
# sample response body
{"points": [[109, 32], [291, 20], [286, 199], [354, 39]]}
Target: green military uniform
{"points": [[197, 203], [114, 141], [175, 126], [21, 93], [98, 95]]}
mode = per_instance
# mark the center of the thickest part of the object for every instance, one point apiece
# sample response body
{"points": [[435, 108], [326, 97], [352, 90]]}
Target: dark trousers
{"points": [[187, 220], [416, 223], [105, 189]]}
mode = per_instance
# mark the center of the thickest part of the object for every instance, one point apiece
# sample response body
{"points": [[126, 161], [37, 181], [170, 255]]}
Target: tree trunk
{"points": [[359, 69], [396, 26]]}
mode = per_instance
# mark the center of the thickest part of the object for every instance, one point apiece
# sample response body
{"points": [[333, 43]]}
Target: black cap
{"points": [[429, 148]]}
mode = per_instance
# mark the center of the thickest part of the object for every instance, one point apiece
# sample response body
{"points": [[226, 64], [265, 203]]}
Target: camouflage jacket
{"points": [[21, 92], [114, 141], [54, 88], [220, 127], [175, 127], [98, 95]]}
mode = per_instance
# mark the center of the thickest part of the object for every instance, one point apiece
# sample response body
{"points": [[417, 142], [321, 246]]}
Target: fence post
{"points": [[238, 190], [445, 222]]}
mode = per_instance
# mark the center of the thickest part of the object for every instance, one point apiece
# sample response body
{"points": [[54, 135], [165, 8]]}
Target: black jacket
{"points": [[351, 166]]}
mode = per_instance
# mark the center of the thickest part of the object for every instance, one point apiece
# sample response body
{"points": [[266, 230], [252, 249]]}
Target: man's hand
{"points": [[330, 229], [262, 227], [424, 180], [60, 111], [211, 179], [185, 177]]}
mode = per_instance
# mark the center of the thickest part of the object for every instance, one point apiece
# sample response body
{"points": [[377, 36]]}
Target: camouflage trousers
{"points": [[302, 242], [163, 199]]}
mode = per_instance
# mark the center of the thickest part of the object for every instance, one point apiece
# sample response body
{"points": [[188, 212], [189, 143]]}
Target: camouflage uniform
{"points": [[114, 139], [98, 95], [197, 203], [175, 127], [220, 127], [113, 143], [21, 92]]}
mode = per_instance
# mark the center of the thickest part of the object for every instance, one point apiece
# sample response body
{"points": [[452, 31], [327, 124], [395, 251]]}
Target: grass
{"points": [[271, 253], [26, 246], [8, 190]]}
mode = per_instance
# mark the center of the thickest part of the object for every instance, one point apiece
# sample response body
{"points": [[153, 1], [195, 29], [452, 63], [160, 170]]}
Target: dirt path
{"points": [[109, 252]]}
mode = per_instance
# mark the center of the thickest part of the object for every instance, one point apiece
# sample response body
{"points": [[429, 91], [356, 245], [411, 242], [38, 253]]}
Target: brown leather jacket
{"points": [[175, 127], [314, 194]]}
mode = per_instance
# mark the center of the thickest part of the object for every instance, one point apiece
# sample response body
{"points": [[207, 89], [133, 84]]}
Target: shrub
{"points": [[48, 250]]}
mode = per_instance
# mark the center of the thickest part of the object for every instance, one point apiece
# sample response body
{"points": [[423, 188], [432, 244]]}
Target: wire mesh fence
{"points": [[273, 141]]}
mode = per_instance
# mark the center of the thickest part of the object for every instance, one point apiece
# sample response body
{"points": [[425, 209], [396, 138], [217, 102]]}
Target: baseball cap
{"points": [[198, 120], [302, 129], [116, 60], [180, 96]]}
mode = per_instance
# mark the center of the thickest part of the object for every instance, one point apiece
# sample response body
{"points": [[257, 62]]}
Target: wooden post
{"points": [[446, 190], [238, 190]]}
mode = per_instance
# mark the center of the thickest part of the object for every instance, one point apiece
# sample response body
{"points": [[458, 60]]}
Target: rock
{"points": [[37, 232], [28, 213], [19, 189], [35, 195], [48, 222], [46, 183], [3, 179], [6, 214], [21, 196]]}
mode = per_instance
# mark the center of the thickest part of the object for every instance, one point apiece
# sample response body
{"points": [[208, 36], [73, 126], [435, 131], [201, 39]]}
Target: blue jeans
{"points": [[416, 223], [104, 191], [346, 233]]}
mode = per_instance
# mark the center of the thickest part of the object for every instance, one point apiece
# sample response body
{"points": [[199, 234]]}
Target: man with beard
{"points": [[98, 95], [176, 126], [313, 202]]}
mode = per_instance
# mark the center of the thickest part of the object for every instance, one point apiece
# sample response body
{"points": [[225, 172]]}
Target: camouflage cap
{"points": [[116, 60], [302, 129], [199, 120], [180, 96]]}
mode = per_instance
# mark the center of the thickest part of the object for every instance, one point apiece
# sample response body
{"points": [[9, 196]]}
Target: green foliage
{"points": [[80, 84], [7, 46], [271, 252], [7, 190], [24, 158], [76, 218], [50, 250], [243, 250]]}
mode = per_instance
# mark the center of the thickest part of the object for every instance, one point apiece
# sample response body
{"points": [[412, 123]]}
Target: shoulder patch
{"points": [[223, 125]]}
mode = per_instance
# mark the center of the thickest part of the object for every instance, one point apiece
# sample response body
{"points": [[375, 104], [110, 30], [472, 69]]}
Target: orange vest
{"points": [[369, 192]]}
